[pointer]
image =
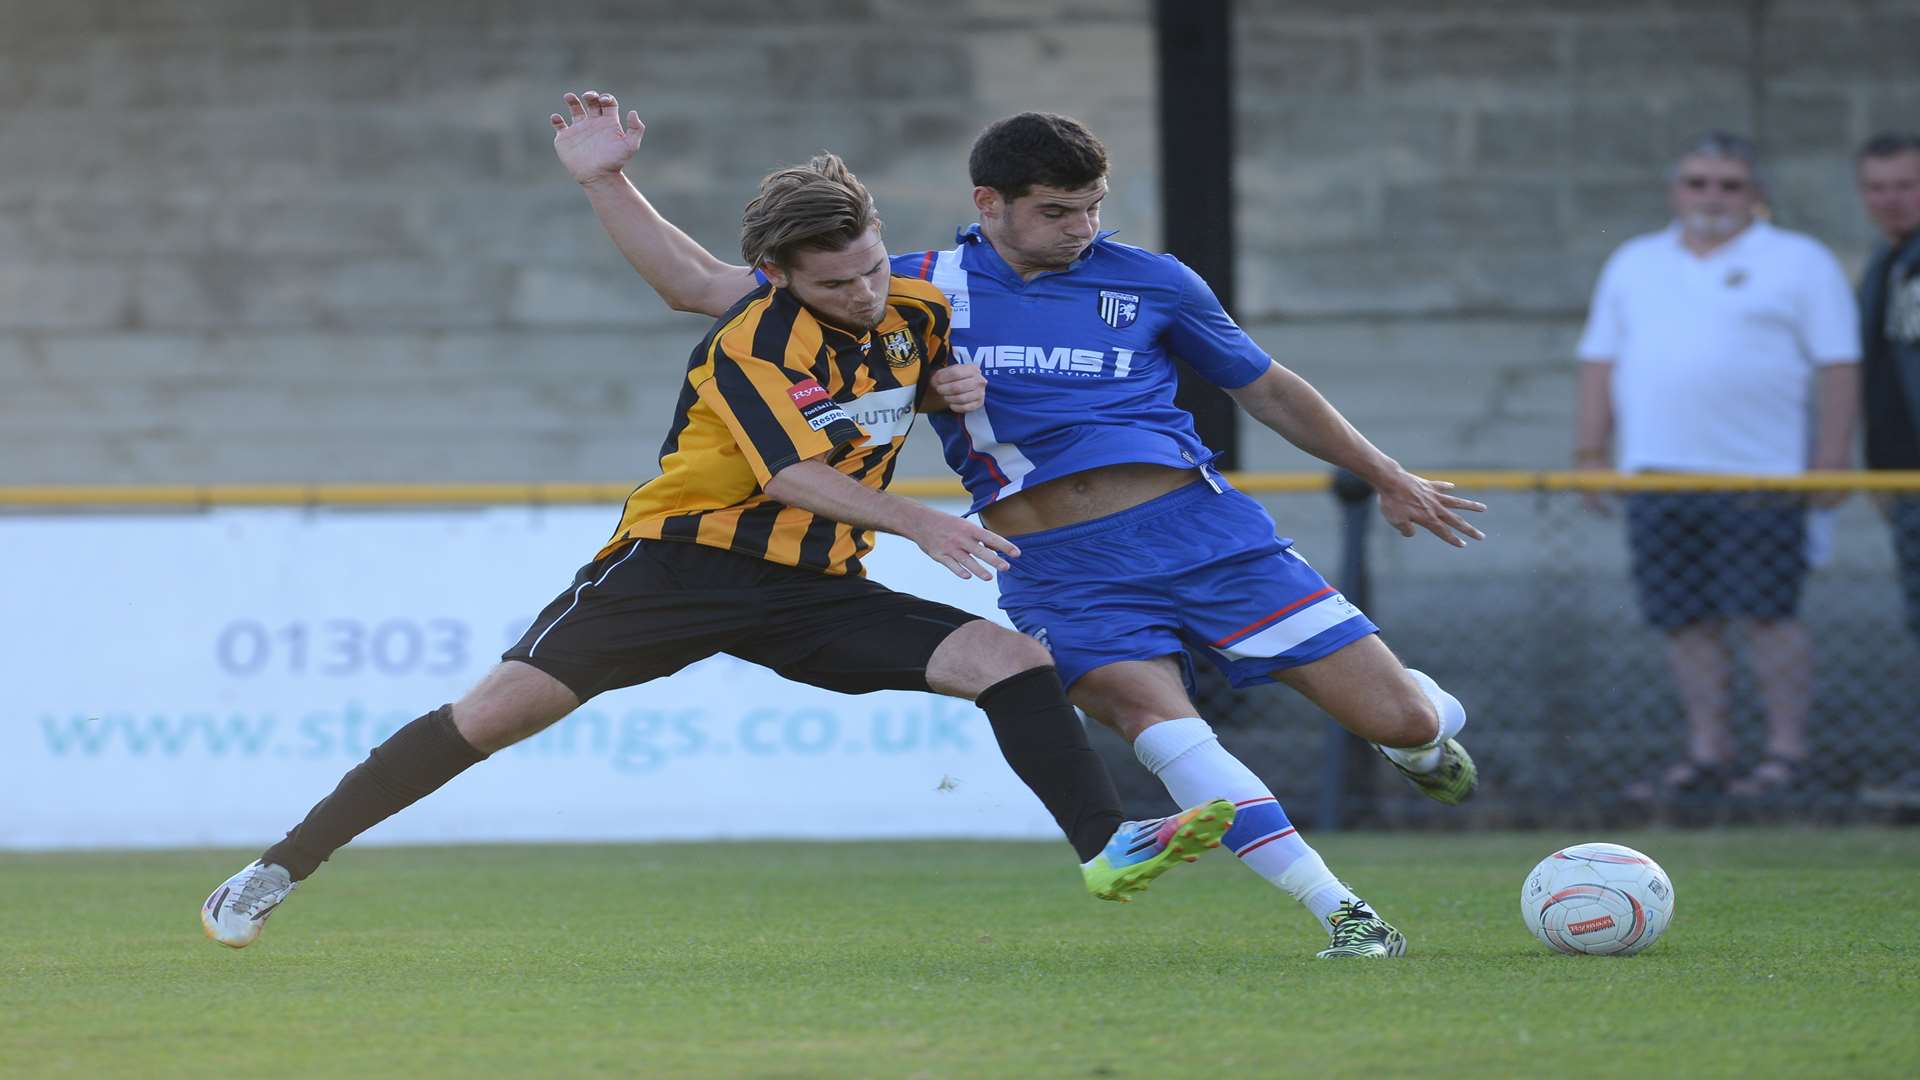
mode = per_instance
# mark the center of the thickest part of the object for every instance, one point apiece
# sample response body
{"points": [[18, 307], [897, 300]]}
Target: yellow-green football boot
{"points": [[1143, 850], [1452, 781]]}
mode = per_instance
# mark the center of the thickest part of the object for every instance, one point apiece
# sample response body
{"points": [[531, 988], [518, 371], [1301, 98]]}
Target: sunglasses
{"points": [[1725, 184]]}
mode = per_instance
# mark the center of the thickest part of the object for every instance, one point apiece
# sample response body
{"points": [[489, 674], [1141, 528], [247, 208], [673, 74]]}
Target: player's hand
{"points": [[1409, 502], [962, 386], [963, 547], [590, 141]]}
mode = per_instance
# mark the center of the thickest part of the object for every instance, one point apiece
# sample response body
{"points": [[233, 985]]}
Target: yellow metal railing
{"points": [[210, 495]]}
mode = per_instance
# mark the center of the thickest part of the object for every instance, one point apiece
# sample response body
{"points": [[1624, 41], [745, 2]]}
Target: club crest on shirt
{"points": [[1118, 309], [1736, 277], [899, 346]]}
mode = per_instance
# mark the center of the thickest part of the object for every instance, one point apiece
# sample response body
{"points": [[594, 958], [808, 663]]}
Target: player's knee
{"points": [[491, 729], [1132, 696], [1126, 717], [981, 654], [514, 702], [1130, 723], [1013, 653], [1411, 720]]}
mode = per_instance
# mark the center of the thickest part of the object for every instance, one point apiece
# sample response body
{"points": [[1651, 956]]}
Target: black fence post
{"points": [[1344, 765], [1193, 42]]}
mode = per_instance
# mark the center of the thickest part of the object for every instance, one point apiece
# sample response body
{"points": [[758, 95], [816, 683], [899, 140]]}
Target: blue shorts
{"points": [[1193, 568]]}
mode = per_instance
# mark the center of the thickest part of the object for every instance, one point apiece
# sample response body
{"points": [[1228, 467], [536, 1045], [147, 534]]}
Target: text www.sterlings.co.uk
{"points": [[630, 741]]}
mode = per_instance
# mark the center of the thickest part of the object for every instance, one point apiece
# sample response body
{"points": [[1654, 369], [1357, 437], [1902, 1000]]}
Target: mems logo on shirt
{"points": [[1035, 358]]}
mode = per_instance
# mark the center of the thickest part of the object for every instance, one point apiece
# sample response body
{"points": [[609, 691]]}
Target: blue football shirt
{"points": [[1079, 362]]}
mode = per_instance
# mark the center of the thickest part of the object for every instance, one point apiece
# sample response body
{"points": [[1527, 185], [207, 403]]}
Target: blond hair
{"points": [[819, 206]]}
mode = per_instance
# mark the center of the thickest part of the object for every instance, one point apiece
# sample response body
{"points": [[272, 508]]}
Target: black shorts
{"points": [[1701, 556], [653, 607], [1903, 514]]}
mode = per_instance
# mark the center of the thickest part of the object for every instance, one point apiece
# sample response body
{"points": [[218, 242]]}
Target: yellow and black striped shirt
{"points": [[769, 386]]}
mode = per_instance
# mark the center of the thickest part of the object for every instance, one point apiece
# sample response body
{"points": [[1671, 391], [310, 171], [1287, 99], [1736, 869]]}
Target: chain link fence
{"points": [[1576, 708]]}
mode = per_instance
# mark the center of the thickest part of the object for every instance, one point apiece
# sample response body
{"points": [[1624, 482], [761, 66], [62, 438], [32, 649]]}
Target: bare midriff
{"points": [[1083, 496]]}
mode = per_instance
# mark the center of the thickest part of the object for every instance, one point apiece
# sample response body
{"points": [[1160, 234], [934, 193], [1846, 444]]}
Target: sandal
{"points": [[1773, 776], [1687, 779], [1691, 778]]}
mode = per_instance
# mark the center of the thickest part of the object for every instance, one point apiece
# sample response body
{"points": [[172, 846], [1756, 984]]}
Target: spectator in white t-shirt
{"points": [[1722, 344]]}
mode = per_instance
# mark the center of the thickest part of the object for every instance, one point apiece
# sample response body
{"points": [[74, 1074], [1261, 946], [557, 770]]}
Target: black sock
{"points": [[1043, 739], [410, 765]]}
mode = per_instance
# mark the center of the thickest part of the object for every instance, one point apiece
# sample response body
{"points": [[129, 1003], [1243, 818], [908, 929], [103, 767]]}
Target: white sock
{"points": [[1453, 717], [1315, 886], [1193, 765]]}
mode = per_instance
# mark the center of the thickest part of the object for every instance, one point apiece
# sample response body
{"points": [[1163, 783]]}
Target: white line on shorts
{"points": [[576, 597]]}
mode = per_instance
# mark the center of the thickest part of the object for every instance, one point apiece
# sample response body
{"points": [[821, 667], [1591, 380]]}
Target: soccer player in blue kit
{"points": [[1133, 548]]}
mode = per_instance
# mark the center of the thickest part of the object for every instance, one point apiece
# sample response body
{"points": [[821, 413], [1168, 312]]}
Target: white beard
{"points": [[1713, 226]]}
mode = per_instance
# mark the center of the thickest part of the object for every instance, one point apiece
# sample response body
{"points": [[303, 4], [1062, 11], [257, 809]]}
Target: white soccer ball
{"points": [[1597, 900]]}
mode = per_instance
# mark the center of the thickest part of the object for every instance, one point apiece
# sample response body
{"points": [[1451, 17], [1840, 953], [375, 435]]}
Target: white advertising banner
{"points": [[204, 678]]}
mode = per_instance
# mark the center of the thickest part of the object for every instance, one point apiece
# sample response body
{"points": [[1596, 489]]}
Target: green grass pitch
{"points": [[1792, 954]]}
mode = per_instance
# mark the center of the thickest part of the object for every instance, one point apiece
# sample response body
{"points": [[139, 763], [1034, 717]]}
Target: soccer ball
{"points": [[1597, 899]]}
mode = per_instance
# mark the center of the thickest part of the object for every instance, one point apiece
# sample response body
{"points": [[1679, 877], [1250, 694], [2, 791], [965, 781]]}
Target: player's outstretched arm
{"points": [[953, 542], [595, 148], [1291, 406]]}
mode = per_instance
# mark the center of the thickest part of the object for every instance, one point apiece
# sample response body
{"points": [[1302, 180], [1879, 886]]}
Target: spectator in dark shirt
{"points": [[1889, 175]]}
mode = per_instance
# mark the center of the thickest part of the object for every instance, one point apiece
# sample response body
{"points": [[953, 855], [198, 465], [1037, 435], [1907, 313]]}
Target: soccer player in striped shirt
{"points": [[772, 484], [1133, 549]]}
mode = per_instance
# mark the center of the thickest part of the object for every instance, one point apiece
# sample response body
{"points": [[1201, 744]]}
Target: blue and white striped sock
{"points": [[1190, 761]]}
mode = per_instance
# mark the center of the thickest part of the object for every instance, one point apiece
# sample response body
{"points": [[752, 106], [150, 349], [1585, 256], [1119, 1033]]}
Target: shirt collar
{"points": [[970, 237], [1755, 230]]}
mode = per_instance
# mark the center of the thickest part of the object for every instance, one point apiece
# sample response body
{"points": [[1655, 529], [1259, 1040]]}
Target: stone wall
{"points": [[329, 241], [1427, 190]]}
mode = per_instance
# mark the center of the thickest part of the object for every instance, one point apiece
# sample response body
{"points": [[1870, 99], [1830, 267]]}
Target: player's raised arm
{"points": [[595, 148], [1291, 406]]}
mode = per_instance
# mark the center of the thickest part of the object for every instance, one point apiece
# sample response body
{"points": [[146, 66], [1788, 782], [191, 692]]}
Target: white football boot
{"points": [[238, 909]]}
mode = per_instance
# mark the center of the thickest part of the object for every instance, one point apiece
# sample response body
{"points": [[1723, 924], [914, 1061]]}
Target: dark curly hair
{"points": [[1015, 154]]}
